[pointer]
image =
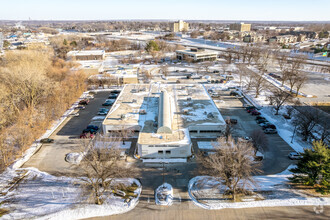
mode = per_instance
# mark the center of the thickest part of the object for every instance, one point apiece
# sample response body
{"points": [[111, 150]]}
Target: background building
{"points": [[196, 55], [240, 27], [86, 55], [180, 26]]}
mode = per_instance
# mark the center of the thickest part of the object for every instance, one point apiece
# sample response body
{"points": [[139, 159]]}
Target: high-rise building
{"points": [[240, 27], [180, 26]]}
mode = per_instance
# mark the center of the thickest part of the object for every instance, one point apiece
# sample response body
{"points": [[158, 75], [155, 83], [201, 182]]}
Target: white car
{"points": [[294, 156]]}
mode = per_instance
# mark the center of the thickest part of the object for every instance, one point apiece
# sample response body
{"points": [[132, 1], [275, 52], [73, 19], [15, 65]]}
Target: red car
{"points": [[254, 112]]}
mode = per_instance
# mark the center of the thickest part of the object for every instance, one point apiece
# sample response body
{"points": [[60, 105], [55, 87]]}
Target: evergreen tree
{"points": [[152, 46], [314, 167]]}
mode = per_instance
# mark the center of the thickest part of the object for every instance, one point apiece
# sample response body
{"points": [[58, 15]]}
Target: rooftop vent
{"points": [[210, 115], [123, 116], [134, 101]]}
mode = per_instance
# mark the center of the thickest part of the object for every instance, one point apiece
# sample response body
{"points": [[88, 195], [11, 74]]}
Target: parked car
{"points": [[261, 121], [113, 96], [233, 93], [255, 112], [94, 127], [84, 102], [103, 110], [294, 156], [102, 113], [75, 114], [80, 107], [107, 104], [268, 125], [270, 131], [46, 140], [260, 117], [89, 130], [115, 91]]}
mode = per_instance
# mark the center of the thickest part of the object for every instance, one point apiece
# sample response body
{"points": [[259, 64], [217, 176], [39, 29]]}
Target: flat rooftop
{"points": [[85, 52], [137, 107], [198, 52]]}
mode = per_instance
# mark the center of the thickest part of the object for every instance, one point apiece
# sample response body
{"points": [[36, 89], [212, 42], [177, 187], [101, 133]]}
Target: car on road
{"points": [[80, 107], [75, 114], [270, 131], [46, 140], [294, 156]]}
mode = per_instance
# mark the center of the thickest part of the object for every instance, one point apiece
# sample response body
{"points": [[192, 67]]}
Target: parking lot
{"points": [[51, 156], [276, 155]]}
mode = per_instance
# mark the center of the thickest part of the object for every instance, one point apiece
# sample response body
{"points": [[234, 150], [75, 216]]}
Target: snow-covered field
{"points": [[48, 197], [271, 191]]}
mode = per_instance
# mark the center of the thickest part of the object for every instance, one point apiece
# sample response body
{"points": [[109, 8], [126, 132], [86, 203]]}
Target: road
{"points": [[187, 210]]}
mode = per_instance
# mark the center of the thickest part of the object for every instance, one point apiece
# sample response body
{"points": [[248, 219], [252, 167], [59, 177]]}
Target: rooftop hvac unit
{"points": [[189, 99], [134, 101], [123, 116], [185, 112], [134, 91], [210, 115]]}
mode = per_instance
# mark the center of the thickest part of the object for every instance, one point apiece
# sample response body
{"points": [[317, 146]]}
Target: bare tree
{"points": [[101, 165], [300, 81], [306, 119], [278, 98], [259, 84], [259, 140], [232, 165], [206, 65], [164, 70]]}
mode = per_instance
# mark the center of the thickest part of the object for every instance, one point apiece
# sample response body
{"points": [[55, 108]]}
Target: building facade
{"points": [[180, 26], [196, 55], [240, 27]]}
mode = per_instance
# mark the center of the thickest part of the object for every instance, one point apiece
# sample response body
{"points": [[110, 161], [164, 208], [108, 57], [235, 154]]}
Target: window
{"points": [[168, 152], [160, 152]]}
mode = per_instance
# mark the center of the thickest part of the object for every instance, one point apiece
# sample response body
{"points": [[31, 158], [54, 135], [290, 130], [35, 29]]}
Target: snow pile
{"points": [[48, 197], [274, 186], [164, 194], [74, 158]]}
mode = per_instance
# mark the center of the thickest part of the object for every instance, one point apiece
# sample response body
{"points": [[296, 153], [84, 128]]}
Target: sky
{"points": [[265, 10]]}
